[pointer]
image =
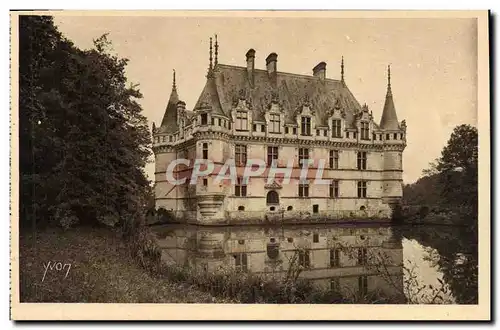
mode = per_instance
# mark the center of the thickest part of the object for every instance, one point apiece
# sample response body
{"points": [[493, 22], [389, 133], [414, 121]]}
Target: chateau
{"points": [[247, 113]]}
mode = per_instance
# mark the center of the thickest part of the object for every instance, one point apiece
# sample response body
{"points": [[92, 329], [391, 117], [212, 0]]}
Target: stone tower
{"points": [[394, 144]]}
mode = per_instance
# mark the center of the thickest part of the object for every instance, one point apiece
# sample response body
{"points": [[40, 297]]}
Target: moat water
{"points": [[420, 264]]}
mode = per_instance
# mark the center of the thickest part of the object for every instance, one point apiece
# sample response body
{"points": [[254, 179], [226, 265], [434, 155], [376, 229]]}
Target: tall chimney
{"points": [[250, 65], [271, 65], [320, 71]]}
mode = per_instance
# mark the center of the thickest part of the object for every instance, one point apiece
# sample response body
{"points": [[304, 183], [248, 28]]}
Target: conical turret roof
{"points": [[169, 121], [389, 120]]}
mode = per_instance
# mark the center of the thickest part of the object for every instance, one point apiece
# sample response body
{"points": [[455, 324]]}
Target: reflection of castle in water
{"points": [[349, 260]]}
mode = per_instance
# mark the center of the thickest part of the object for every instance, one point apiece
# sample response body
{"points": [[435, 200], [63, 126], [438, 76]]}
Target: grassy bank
{"points": [[101, 270]]}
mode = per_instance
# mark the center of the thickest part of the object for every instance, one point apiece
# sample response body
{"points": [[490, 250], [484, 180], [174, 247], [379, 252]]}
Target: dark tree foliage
{"points": [[452, 183], [453, 179], [458, 167], [83, 139]]}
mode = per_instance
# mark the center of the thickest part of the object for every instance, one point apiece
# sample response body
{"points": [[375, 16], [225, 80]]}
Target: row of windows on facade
{"points": [[241, 259], [274, 124], [275, 127], [240, 189], [240, 156]]}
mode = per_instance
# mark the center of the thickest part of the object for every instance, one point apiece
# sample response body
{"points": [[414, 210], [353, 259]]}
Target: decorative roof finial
{"points": [[216, 51], [210, 66], [342, 70], [174, 87], [389, 79]]}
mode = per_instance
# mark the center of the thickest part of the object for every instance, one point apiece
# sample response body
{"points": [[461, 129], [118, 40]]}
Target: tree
{"points": [[458, 167], [83, 139]]}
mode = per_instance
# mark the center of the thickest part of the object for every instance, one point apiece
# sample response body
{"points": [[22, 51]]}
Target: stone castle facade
{"points": [[247, 113]]}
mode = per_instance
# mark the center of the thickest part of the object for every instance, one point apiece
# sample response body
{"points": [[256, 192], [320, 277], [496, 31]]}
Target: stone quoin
{"points": [[285, 119]]}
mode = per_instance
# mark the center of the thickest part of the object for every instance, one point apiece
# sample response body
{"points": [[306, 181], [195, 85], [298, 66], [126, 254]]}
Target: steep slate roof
{"points": [[389, 120], [228, 83], [169, 121]]}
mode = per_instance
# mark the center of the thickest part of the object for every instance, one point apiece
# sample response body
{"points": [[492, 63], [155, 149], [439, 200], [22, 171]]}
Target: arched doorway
{"points": [[272, 198]]}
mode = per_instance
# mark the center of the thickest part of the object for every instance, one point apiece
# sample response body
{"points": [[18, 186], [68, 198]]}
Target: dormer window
{"points": [[306, 126], [241, 121], [365, 131], [274, 123], [336, 128], [204, 119]]}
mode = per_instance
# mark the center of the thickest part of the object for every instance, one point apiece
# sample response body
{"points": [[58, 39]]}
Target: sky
{"points": [[433, 63]]}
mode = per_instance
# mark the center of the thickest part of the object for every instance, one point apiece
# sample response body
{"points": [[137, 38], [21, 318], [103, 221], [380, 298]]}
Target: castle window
{"points": [[170, 138], [347, 134], [388, 136], [205, 182], [164, 138], [374, 136], [295, 130], [336, 128], [204, 119], [365, 131], [241, 121], [303, 155], [334, 159], [362, 160], [303, 190], [272, 198], [334, 189], [229, 124], [213, 121], [240, 189], [395, 136], [240, 262], [362, 256], [334, 258], [274, 121], [240, 154], [205, 150], [290, 208], [361, 189], [324, 132], [304, 259], [315, 238], [272, 153], [305, 127], [317, 132], [363, 285], [262, 128], [241, 208], [355, 135], [286, 130], [220, 122]]}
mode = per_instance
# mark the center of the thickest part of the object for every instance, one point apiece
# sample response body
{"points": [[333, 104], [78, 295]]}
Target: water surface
{"points": [[403, 264]]}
